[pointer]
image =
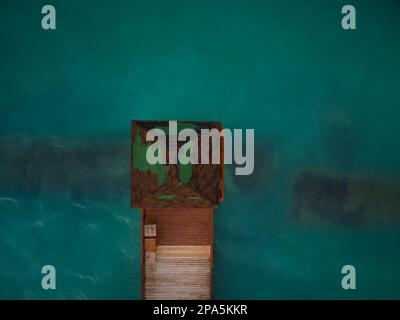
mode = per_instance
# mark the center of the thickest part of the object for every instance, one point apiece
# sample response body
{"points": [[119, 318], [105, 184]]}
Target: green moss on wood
{"points": [[140, 162], [185, 173], [167, 196], [193, 198]]}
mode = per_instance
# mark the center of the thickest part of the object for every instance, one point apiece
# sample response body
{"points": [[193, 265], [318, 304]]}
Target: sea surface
{"points": [[319, 98]]}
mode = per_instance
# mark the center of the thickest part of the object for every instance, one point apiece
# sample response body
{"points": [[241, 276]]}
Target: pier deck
{"points": [[177, 253], [177, 204]]}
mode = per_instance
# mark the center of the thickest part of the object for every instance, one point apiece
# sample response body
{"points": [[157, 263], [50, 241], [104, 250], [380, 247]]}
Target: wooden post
{"points": [[211, 250], [142, 267]]}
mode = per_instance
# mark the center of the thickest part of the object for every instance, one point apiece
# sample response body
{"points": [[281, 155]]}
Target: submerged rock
{"points": [[36, 165], [347, 201], [321, 196]]}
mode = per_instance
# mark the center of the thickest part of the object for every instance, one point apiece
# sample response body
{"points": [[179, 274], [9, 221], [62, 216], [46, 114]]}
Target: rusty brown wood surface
{"points": [[180, 267], [180, 226]]}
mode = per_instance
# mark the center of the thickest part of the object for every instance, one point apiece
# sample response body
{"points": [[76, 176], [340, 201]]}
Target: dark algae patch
{"points": [[345, 200], [322, 196], [66, 167]]}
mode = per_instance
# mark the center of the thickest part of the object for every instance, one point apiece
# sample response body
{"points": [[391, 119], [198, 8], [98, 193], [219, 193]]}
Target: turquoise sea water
{"points": [[316, 95]]}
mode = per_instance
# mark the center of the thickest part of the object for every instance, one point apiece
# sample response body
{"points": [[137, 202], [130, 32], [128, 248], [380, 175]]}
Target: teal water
{"points": [[317, 97]]}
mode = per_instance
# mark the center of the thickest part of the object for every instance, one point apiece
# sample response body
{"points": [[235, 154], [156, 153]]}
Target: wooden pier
{"points": [[177, 220], [179, 265]]}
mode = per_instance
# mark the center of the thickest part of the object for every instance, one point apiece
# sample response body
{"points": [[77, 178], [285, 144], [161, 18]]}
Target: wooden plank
{"points": [[150, 258], [180, 226], [211, 250], [142, 271], [179, 273], [183, 251], [150, 230], [150, 244]]}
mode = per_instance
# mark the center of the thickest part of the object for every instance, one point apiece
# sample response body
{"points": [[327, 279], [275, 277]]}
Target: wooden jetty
{"points": [[177, 207]]}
